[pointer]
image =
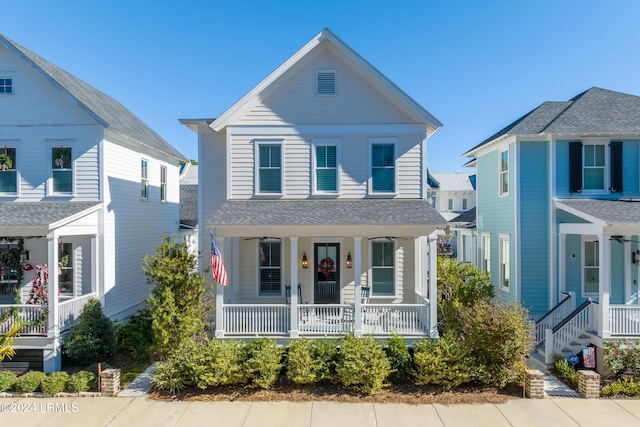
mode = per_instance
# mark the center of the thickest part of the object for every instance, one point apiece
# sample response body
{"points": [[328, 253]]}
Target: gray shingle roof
{"points": [[39, 214], [189, 204], [466, 216], [326, 212], [112, 113], [595, 111], [608, 211]]}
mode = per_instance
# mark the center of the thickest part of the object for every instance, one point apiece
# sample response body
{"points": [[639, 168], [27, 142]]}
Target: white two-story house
{"points": [[316, 180], [88, 190]]}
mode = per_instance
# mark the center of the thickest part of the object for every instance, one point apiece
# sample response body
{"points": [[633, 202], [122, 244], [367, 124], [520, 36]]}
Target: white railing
{"points": [[624, 320], [28, 313], [325, 318], [553, 317], [386, 319], [564, 335], [256, 319], [69, 310]]}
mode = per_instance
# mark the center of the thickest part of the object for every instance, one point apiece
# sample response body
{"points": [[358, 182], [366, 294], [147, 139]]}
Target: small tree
{"points": [[177, 303], [93, 338], [461, 286], [6, 341]]}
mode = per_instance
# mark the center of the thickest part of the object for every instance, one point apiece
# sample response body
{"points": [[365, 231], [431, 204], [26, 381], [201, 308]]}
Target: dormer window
{"points": [[6, 86], [325, 82]]}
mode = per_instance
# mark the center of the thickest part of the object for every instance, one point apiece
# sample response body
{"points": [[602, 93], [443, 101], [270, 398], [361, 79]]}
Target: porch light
{"points": [[305, 260], [349, 260]]}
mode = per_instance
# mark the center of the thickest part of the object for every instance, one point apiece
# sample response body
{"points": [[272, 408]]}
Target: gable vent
{"points": [[326, 83]]}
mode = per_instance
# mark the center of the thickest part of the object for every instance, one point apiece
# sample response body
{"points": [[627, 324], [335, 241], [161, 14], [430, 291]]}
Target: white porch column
{"points": [[219, 332], [293, 280], [357, 282], [52, 359], [562, 268], [235, 270], [95, 274], [604, 282], [627, 269], [433, 284]]}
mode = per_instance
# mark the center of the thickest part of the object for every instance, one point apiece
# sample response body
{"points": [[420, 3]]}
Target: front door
{"points": [[327, 273]]}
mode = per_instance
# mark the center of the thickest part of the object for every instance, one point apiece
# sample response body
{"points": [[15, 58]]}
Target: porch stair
{"points": [[575, 347]]}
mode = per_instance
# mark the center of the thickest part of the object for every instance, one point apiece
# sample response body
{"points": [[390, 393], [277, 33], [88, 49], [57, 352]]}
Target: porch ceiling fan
{"points": [[387, 238], [263, 238]]}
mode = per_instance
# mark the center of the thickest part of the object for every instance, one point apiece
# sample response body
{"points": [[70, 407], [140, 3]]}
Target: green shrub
{"points": [[93, 338], [7, 380], [311, 361], [136, 335], [80, 381], [566, 371], [169, 377], [54, 383], [29, 382], [262, 362], [362, 362], [400, 359], [498, 336], [625, 386], [443, 362], [623, 354]]}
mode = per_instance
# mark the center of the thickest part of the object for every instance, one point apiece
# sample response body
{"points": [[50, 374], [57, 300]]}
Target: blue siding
{"points": [[534, 225], [618, 258], [573, 278], [630, 158]]}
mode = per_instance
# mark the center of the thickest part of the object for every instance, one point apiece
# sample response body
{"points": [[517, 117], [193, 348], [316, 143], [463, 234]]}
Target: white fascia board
{"points": [[342, 129], [592, 219]]}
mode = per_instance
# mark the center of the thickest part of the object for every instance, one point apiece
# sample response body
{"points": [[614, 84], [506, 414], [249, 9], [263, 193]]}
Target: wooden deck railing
{"points": [[69, 310], [325, 319], [554, 316], [624, 320], [31, 314], [256, 319], [387, 319]]}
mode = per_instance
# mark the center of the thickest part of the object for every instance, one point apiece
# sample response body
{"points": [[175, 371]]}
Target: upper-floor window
{"points": [[144, 179], [486, 252], [465, 205], [433, 202], [326, 167], [269, 168], [6, 85], [591, 261], [325, 82], [163, 183], [8, 171], [504, 173], [61, 170], [382, 268], [270, 262], [450, 204], [504, 262], [594, 168], [383, 167]]}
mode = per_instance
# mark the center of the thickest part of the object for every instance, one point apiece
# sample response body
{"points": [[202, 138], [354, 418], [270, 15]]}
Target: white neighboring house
{"points": [[91, 190], [317, 179], [452, 193], [189, 205]]}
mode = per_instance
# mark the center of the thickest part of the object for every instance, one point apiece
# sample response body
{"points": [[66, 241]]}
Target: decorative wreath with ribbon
{"points": [[326, 266]]}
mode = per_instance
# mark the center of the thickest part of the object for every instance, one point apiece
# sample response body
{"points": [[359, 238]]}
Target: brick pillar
{"points": [[589, 384], [110, 382], [534, 384]]}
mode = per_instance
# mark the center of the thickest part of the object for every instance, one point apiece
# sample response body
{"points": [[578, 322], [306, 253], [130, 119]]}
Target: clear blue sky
{"points": [[475, 65]]}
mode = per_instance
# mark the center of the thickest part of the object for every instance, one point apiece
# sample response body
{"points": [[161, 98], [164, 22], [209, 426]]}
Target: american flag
{"points": [[217, 266]]}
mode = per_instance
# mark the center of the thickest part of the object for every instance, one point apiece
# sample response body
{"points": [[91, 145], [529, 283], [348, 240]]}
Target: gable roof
{"points": [[395, 94], [603, 212], [454, 181], [594, 111], [106, 110], [38, 214]]}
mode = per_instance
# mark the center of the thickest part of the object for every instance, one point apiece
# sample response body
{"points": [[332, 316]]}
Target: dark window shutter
{"points": [[575, 167], [616, 167]]}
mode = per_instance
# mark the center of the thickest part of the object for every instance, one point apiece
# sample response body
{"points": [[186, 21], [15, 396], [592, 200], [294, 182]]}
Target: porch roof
{"points": [[335, 212], [603, 212], [47, 215]]}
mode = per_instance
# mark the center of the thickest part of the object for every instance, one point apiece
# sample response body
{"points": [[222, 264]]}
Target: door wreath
{"points": [[326, 266]]}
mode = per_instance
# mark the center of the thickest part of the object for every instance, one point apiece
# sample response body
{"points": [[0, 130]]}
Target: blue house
{"points": [[558, 217]]}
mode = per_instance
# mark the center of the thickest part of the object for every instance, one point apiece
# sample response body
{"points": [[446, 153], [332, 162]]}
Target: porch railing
{"points": [[69, 310], [561, 336], [31, 314], [553, 317], [624, 320], [386, 319], [256, 319], [325, 319]]}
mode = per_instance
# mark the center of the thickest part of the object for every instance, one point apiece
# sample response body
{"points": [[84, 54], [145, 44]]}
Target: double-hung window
{"points": [[6, 86], [383, 166], [61, 170], [504, 263], [591, 263], [144, 179], [326, 166], [163, 183], [433, 202], [382, 268], [270, 262], [8, 172], [486, 252], [464, 204], [504, 173], [450, 204], [269, 167], [595, 168]]}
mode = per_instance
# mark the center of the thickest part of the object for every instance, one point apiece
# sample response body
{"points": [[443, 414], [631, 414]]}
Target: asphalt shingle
{"points": [[39, 214]]}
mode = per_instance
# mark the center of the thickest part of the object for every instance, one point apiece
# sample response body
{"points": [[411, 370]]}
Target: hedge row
{"points": [[54, 383]]}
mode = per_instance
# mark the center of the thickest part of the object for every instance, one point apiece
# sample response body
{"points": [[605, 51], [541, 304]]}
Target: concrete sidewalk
{"points": [[140, 411]]}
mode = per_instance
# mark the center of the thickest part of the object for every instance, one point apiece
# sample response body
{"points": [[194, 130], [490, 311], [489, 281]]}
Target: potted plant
{"points": [[6, 162]]}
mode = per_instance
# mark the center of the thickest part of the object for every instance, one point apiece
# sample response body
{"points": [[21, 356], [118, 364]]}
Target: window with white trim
{"points": [[465, 205], [382, 268], [433, 202], [326, 161], [61, 170], [6, 86], [593, 168], [270, 262], [486, 252], [504, 173], [325, 82], [383, 167], [269, 167], [504, 262], [450, 204], [65, 268], [163, 183], [144, 179], [591, 267], [8, 172]]}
